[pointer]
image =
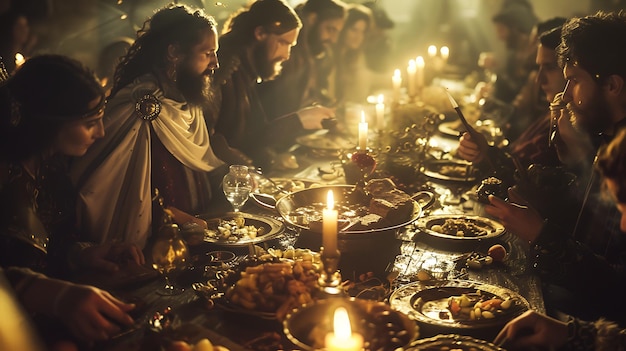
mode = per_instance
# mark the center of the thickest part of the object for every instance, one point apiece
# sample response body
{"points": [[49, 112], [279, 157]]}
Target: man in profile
{"points": [[255, 43]]}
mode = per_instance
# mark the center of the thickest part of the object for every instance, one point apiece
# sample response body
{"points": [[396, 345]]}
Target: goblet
{"points": [[169, 255], [237, 185]]}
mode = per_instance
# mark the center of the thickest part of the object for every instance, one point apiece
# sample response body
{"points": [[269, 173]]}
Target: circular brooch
{"points": [[148, 107]]}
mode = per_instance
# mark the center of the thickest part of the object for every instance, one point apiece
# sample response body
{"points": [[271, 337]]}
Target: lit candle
{"points": [[380, 112], [363, 132], [329, 224], [397, 83], [19, 60], [419, 61], [410, 70], [445, 53], [342, 338], [432, 51]]}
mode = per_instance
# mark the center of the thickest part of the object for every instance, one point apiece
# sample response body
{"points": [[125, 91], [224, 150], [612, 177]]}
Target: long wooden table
{"points": [[241, 332]]}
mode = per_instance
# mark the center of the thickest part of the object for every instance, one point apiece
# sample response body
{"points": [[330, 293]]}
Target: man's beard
{"points": [[193, 86], [266, 69], [594, 119]]}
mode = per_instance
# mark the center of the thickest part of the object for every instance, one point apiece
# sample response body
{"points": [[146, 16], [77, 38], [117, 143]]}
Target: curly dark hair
{"points": [[596, 43], [44, 94], [173, 24], [612, 163]]}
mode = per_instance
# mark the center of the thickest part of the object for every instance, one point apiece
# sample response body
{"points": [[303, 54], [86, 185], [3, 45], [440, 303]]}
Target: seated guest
{"points": [[156, 136], [255, 43], [353, 77], [596, 96], [549, 333], [51, 108], [87, 312], [304, 79]]}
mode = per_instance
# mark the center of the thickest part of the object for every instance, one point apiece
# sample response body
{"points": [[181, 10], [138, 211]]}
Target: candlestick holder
{"points": [[330, 278]]}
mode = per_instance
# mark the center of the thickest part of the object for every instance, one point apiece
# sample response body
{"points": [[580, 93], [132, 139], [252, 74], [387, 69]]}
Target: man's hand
{"points": [[532, 330], [311, 117], [108, 257], [468, 149], [517, 216], [91, 313]]}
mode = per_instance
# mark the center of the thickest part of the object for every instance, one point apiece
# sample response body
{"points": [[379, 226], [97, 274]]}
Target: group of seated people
{"points": [[78, 168]]}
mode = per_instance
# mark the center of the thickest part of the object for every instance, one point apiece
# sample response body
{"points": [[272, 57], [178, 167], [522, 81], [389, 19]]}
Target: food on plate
{"points": [[471, 306], [377, 205], [461, 227], [233, 230], [202, 345], [497, 252], [276, 286], [455, 170]]}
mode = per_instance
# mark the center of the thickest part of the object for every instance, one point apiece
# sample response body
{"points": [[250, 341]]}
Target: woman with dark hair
{"points": [[52, 108], [15, 38], [353, 76]]}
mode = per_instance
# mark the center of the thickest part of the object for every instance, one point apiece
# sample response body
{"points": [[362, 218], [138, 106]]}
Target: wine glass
{"points": [[169, 255], [237, 185]]}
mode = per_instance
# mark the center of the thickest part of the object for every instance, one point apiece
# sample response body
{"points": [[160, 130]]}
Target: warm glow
{"points": [[381, 99], [363, 130], [341, 324], [445, 52], [330, 201], [19, 59], [396, 80], [419, 61], [432, 51], [342, 338]]}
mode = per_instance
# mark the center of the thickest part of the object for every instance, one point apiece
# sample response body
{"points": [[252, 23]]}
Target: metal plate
{"points": [[289, 207], [276, 188], [324, 140], [272, 228], [434, 299], [450, 170], [453, 341], [491, 228]]}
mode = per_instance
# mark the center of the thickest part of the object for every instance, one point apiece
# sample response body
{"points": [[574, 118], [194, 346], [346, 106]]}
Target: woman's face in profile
{"points": [[355, 35], [77, 136]]}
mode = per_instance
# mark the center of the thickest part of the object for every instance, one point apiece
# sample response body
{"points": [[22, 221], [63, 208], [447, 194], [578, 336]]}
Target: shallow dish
{"points": [[268, 190], [474, 227], [324, 140], [449, 170], [380, 326], [427, 302], [268, 228], [453, 341]]}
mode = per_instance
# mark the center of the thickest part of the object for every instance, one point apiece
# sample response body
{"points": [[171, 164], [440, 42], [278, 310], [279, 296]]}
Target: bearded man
{"points": [[588, 263], [256, 41], [156, 136]]}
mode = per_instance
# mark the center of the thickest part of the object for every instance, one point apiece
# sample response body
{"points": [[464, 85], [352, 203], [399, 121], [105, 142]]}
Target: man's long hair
{"points": [[275, 16], [174, 24]]}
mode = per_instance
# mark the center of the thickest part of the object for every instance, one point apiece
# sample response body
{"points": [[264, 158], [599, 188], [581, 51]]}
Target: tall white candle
{"points": [[419, 62], [445, 53], [432, 51], [396, 80], [411, 70], [363, 132], [380, 112], [329, 224], [342, 338]]}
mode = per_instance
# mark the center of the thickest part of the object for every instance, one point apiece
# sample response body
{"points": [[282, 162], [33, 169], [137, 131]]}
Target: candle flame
{"points": [[341, 324], [19, 59], [445, 52], [452, 101], [330, 201], [396, 73], [362, 116], [381, 98], [419, 61], [432, 51]]}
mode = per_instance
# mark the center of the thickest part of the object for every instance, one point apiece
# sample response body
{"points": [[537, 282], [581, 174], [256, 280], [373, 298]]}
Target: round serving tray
{"points": [[449, 170], [271, 228], [489, 227]]}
